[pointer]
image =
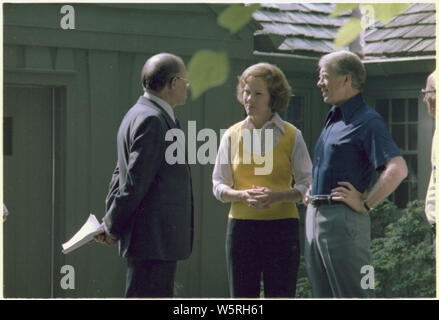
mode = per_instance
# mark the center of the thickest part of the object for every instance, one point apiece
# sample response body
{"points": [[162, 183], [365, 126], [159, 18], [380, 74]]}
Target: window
{"points": [[401, 116]]}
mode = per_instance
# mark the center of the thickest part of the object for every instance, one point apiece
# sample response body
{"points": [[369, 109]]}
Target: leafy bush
{"points": [[381, 216], [403, 257], [303, 287]]}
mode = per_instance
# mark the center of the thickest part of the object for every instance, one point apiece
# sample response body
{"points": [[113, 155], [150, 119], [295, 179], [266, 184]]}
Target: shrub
{"points": [[403, 257]]}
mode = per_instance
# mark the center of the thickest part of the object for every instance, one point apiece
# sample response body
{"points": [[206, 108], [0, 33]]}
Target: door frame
{"points": [[61, 83]]}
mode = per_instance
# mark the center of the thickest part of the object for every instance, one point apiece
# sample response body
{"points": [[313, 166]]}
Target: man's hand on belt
{"points": [[349, 195]]}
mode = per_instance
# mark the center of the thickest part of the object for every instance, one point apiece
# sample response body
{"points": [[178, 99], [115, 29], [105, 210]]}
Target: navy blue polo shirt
{"points": [[354, 142]]}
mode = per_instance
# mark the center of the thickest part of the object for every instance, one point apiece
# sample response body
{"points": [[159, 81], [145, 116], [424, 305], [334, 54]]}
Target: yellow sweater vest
{"points": [[279, 179]]}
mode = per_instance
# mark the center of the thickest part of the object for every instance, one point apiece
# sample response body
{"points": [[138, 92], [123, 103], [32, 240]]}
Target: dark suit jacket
{"points": [[150, 203]]}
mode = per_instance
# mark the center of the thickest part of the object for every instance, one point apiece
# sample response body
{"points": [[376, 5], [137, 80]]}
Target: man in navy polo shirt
{"points": [[354, 142]]}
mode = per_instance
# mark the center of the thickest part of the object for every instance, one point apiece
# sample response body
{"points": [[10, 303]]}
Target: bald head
{"points": [[159, 70], [430, 81], [430, 94]]}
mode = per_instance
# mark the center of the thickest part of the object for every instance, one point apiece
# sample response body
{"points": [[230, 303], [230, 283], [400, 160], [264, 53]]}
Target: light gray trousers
{"points": [[337, 247]]}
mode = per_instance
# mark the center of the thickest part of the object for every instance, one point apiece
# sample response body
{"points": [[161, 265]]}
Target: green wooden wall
{"points": [[94, 71]]}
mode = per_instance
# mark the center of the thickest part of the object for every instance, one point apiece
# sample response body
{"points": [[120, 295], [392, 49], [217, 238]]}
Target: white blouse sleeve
{"points": [[222, 176], [301, 165]]}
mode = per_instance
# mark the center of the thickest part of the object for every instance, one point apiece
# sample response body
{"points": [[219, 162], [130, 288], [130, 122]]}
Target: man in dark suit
{"points": [[150, 203]]}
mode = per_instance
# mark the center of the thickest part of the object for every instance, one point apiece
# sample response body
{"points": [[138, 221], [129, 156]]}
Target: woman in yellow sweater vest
{"points": [[255, 166]]}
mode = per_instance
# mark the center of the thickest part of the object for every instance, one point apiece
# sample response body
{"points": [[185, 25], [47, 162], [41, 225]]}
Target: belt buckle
{"points": [[316, 200]]}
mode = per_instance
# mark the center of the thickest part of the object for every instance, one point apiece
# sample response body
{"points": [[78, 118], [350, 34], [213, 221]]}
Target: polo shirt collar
{"points": [[349, 108]]}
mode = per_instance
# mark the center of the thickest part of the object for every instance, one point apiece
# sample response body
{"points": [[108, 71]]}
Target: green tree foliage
{"points": [[381, 216], [208, 68], [383, 12], [303, 287], [236, 16], [402, 253]]}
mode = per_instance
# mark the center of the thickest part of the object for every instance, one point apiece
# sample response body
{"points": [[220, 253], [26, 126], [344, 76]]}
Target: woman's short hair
{"points": [[277, 84], [343, 63]]}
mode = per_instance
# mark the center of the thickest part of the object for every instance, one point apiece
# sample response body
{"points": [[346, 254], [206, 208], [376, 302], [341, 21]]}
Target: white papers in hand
{"points": [[91, 228]]}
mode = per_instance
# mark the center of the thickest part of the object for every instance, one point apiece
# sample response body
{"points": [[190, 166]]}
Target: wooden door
{"points": [[28, 192]]}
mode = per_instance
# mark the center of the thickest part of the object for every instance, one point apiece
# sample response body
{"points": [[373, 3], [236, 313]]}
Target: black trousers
{"points": [[150, 279], [267, 250]]}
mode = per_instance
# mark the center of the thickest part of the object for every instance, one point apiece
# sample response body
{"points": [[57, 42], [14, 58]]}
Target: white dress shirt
{"points": [[162, 104], [430, 199], [301, 166]]}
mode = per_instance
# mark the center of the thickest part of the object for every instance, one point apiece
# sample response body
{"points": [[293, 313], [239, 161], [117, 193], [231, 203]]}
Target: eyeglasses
{"points": [[425, 91], [185, 80]]}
